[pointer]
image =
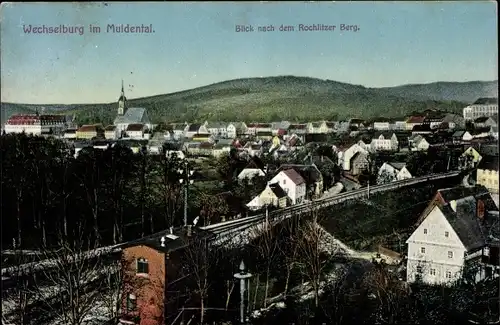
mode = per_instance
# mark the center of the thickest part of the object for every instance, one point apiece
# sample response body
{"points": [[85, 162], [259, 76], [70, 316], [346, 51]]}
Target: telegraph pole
{"points": [[185, 179], [368, 190], [242, 276]]}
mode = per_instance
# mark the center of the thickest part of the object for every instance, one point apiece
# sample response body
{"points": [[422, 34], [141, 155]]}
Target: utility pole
{"points": [[185, 179], [448, 166], [368, 190], [243, 276]]}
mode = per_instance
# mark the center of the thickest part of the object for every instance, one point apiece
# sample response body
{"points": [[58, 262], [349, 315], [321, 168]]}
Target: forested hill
{"points": [[285, 97]]}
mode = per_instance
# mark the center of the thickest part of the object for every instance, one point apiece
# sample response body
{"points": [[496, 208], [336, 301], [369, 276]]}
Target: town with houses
{"points": [[459, 225]]}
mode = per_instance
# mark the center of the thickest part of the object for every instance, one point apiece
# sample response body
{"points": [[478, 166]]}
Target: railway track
{"points": [[233, 226]]}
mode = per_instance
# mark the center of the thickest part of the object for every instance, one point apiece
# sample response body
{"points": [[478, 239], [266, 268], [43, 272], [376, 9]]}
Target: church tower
{"points": [[122, 102]]}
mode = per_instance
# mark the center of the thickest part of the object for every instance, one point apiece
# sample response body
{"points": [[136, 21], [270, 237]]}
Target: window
{"points": [[142, 266], [446, 234], [284, 181], [419, 269], [450, 254], [433, 271], [422, 250], [425, 231], [131, 302], [448, 274]]}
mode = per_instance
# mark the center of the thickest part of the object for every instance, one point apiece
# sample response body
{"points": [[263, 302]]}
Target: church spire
{"points": [[122, 101]]}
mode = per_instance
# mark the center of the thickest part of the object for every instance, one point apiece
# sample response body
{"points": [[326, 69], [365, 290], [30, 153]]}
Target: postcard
{"points": [[249, 162]]}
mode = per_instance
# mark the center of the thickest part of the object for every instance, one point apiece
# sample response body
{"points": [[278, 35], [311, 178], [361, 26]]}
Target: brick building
{"points": [[154, 289]]}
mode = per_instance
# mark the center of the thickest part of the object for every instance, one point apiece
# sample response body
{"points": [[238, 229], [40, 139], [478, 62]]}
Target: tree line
{"points": [[113, 194]]}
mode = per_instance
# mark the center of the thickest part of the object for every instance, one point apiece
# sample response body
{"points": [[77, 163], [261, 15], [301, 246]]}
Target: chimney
{"points": [[162, 240], [480, 209], [453, 205], [189, 230]]}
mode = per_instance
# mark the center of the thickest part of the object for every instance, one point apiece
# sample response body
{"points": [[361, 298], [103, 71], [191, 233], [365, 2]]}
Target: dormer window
{"points": [[142, 266]]}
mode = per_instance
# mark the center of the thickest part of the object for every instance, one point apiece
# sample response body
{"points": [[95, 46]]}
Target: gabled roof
{"points": [[310, 173], [88, 128], [194, 127], [397, 165], [472, 230], [280, 125], [135, 127], [458, 134], [294, 176], [415, 119], [488, 163], [277, 190], [132, 115], [450, 117], [255, 163], [478, 191], [481, 119]]}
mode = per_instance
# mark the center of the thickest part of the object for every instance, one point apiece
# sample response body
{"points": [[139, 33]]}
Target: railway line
{"points": [[234, 226]]}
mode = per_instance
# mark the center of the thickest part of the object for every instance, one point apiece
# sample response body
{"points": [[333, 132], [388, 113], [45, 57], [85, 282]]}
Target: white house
{"points": [[135, 131], [255, 167], [35, 124], [253, 149], [217, 129], [381, 125], [481, 107], [292, 183], [345, 157], [384, 141], [392, 171], [236, 128], [418, 143], [195, 128], [451, 235]]}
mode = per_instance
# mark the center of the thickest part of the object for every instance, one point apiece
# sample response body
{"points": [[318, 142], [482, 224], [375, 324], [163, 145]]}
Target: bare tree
{"points": [[335, 291], [267, 247], [198, 261], [169, 188], [16, 302], [289, 250], [391, 294], [114, 284], [312, 256], [69, 283]]}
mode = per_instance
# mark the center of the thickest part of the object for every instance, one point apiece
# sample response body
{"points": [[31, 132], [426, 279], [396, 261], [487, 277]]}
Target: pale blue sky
{"points": [[195, 44]]}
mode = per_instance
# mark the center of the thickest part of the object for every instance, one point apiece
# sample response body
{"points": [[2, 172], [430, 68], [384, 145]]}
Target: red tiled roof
{"points": [[88, 128], [294, 176], [415, 119]]}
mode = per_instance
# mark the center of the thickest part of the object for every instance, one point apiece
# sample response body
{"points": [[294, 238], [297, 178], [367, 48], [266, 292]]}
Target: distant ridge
{"points": [[285, 98]]}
